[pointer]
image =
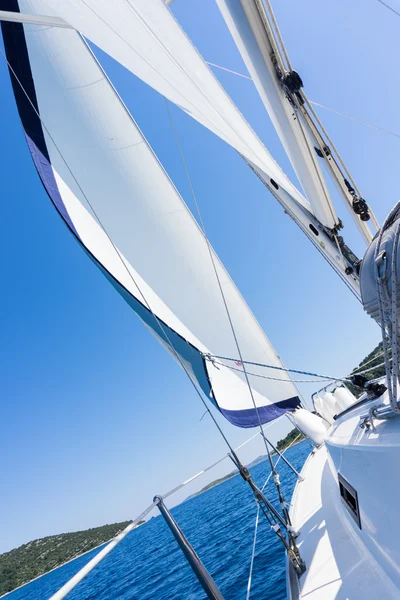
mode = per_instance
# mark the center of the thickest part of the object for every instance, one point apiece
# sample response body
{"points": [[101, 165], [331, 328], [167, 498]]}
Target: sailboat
{"points": [[120, 205]]}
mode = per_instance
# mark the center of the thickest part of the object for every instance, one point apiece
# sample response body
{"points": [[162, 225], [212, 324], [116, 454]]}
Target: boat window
{"points": [[350, 499]]}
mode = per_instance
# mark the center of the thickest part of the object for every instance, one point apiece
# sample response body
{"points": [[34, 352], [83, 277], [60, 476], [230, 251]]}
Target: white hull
{"points": [[343, 560]]}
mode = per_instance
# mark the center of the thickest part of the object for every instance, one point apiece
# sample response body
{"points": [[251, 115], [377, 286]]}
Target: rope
{"points": [[323, 378], [366, 370], [212, 357], [272, 378], [386, 330], [278, 33], [329, 142], [394, 344], [367, 363]]}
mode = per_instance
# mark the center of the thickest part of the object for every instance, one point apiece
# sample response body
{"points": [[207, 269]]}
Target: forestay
{"points": [[119, 203]]}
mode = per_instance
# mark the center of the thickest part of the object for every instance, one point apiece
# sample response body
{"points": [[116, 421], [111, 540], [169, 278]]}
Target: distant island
{"points": [[281, 445], [213, 484], [41, 556], [38, 557]]}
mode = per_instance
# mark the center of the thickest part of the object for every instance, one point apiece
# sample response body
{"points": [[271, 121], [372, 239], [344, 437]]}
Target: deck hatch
{"points": [[349, 498]]}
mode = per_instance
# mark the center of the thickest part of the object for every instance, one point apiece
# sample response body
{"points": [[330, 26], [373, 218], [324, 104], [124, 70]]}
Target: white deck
{"points": [[339, 566]]}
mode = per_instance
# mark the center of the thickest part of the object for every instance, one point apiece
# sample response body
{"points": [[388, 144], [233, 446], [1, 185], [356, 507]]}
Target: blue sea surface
{"points": [[219, 523]]}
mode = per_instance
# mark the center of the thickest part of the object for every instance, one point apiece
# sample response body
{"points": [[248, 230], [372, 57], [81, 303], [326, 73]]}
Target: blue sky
{"points": [[96, 417]]}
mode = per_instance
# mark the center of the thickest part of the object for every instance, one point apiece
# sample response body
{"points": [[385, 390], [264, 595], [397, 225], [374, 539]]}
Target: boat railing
{"points": [[283, 529], [332, 400]]}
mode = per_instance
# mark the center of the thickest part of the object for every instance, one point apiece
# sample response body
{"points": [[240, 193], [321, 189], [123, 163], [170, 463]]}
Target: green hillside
{"points": [[373, 359], [40, 556]]}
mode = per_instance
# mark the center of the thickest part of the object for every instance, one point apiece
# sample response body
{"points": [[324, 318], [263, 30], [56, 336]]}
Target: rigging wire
{"points": [[159, 323], [272, 378], [73, 582], [232, 327], [131, 276], [61, 593], [257, 519], [324, 378], [256, 364], [355, 119], [253, 552], [389, 7], [368, 362], [314, 103], [228, 70], [213, 262]]}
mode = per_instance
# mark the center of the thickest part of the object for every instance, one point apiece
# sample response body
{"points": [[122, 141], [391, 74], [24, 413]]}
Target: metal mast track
{"points": [[306, 117], [310, 149]]}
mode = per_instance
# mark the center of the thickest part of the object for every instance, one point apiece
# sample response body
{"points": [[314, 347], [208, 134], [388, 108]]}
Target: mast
{"points": [[148, 41], [309, 148]]}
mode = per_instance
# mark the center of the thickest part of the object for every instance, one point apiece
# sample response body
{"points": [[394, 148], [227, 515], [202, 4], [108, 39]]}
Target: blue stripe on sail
{"points": [[249, 418], [45, 171], [191, 357], [28, 109], [194, 363], [18, 57]]}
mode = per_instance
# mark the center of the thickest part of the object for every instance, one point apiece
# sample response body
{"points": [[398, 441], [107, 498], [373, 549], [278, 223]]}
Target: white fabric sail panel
{"points": [[145, 37], [114, 195], [247, 29]]}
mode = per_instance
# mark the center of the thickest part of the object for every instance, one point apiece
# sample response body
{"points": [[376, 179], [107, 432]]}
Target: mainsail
{"points": [[146, 38], [115, 197]]}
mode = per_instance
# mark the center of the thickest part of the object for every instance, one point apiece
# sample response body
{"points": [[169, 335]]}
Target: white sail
{"points": [[115, 197], [145, 37]]}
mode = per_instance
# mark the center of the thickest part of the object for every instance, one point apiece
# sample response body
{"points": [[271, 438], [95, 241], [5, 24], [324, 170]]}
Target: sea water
{"points": [[219, 523]]}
